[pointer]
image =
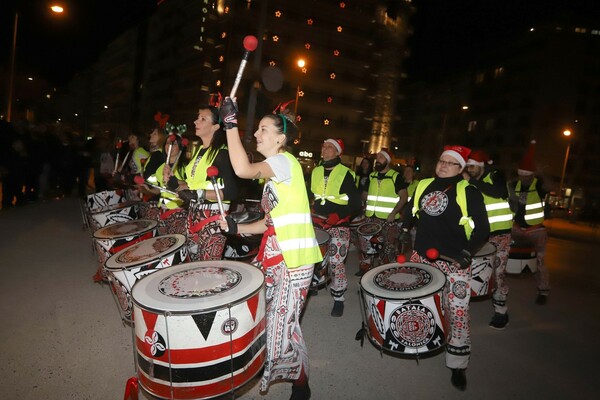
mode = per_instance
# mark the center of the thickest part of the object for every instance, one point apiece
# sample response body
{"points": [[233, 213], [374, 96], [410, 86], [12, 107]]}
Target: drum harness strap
{"points": [[261, 250]]}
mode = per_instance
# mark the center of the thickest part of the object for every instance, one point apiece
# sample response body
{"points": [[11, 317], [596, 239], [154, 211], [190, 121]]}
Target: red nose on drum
{"points": [[482, 271], [402, 307], [143, 258], [199, 328]]}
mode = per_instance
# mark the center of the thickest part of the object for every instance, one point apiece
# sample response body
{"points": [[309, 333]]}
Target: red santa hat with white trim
{"points": [[460, 153], [527, 165], [338, 144], [479, 158]]}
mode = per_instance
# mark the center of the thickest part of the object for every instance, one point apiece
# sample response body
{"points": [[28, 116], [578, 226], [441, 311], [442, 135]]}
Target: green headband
{"points": [[284, 119]]}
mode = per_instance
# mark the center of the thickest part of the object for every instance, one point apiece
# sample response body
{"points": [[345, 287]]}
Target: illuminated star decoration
{"points": [[326, 122], [309, 21], [339, 29], [278, 14], [307, 46]]}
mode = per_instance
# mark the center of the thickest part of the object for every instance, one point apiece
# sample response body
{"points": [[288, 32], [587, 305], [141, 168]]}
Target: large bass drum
{"points": [[403, 308], [199, 328]]}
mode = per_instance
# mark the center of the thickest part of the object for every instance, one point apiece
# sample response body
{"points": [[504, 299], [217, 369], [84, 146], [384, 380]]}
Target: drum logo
{"points": [[412, 325], [435, 203], [229, 326], [155, 343]]}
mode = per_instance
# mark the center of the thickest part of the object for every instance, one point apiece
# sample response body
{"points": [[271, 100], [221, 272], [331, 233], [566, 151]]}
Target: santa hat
{"points": [[479, 158], [526, 166], [337, 143], [460, 153], [386, 154]]}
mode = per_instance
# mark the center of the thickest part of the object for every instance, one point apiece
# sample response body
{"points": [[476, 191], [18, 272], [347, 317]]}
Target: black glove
{"points": [[228, 113], [231, 225], [464, 259], [191, 195], [173, 183], [405, 237]]}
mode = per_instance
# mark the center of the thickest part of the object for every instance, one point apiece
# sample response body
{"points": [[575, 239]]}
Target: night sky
{"points": [[448, 34]]}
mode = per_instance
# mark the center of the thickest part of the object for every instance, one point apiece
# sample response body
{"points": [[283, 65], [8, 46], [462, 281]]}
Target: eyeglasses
{"points": [[448, 163]]}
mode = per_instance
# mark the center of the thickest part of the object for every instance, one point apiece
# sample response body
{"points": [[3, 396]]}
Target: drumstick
{"points": [[434, 254], [139, 180], [212, 172], [250, 44], [124, 161], [184, 143], [171, 139], [119, 145]]}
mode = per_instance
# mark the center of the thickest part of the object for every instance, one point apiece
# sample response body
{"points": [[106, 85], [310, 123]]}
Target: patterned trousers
{"points": [[455, 306], [286, 291], [338, 251], [205, 241], [538, 236], [502, 243]]}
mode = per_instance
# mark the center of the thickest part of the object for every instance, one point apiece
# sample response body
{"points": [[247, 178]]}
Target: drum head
{"points": [[357, 221], [114, 207], [125, 229], [369, 228], [146, 250], [245, 217], [486, 250], [197, 287], [403, 281], [322, 236]]}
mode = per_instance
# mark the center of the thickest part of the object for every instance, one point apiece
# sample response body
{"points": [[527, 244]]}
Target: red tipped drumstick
{"points": [[170, 139], [124, 161], [250, 44], [434, 254], [139, 180], [184, 143], [212, 172], [401, 259]]}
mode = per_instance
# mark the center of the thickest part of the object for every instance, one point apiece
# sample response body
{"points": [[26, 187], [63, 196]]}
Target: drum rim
{"points": [[258, 216], [152, 225], [113, 207], [371, 273], [328, 237], [127, 266], [484, 252], [379, 225], [198, 308]]}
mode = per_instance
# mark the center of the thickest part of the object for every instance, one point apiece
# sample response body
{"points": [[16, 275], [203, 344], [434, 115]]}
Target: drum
{"points": [[199, 328], [320, 276], [521, 255], [243, 247], [113, 238], [402, 307], [114, 214], [106, 198], [132, 263], [482, 271], [354, 224], [370, 237]]}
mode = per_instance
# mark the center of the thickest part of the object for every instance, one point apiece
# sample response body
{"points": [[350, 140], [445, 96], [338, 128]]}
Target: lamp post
{"points": [[301, 64], [567, 134], [11, 76]]}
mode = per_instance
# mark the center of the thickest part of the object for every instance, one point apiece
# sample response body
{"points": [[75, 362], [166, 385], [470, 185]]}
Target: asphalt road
{"points": [[62, 337]]}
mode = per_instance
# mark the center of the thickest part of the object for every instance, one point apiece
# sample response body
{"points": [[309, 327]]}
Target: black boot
{"points": [[459, 378], [300, 392]]}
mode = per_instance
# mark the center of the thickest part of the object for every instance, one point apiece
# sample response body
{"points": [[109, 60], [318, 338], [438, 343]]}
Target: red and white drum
{"points": [[199, 328], [370, 238], [403, 307], [143, 258], [482, 271], [354, 224], [521, 255], [113, 214], [320, 276], [113, 238]]}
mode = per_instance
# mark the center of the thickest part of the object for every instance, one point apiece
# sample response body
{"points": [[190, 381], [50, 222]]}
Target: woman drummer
{"points": [[149, 206], [288, 249], [205, 239]]}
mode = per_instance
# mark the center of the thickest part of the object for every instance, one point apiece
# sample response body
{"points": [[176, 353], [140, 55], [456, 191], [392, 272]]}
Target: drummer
{"points": [[492, 185], [289, 248], [205, 239], [336, 200], [452, 220], [386, 196], [148, 207]]}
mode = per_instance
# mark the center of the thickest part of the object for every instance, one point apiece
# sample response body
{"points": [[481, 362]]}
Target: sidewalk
{"points": [[579, 231]]}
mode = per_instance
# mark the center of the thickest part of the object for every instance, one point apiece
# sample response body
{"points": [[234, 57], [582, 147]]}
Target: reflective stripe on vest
{"points": [[382, 196], [331, 192], [198, 180], [461, 199], [498, 210], [534, 209], [169, 200], [292, 220]]}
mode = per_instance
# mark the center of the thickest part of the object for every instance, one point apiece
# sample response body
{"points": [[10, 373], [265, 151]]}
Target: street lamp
{"points": [[11, 77], [567, 134], [301, 64]]}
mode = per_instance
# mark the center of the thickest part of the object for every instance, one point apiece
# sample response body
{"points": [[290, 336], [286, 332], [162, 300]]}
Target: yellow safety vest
{"points": [[196, 172], [382, 196], [292, 220], [169, 200], [534, 209], [334, 184], [498, 210]]}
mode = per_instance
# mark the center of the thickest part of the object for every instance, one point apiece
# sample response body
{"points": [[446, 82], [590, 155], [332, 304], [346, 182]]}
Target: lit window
{"points": [[498, 72], [472, 126], [278, 14], [307, 46], [339, 29], [221, 58], [309, 21], [336, 53], [218, 83]]}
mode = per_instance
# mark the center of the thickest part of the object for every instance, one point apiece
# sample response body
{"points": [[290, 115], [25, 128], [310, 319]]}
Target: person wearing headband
{"points": [[289, 248]]}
